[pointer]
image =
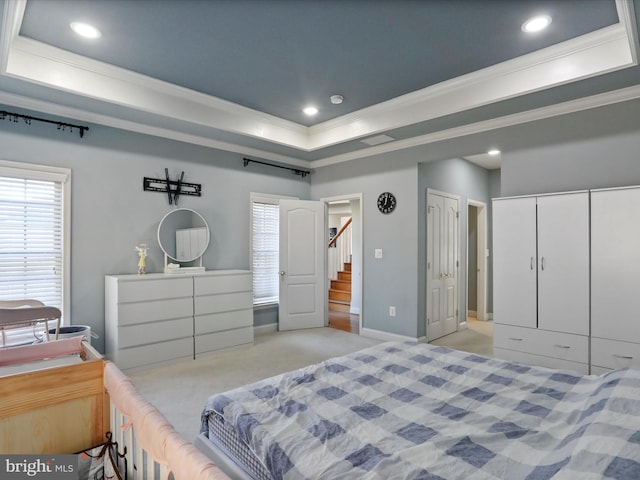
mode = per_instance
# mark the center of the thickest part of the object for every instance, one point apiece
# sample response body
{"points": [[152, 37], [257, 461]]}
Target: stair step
{"points": [[347, 267], [342, 275], [339, 306], [339, 295], [344, 285]]}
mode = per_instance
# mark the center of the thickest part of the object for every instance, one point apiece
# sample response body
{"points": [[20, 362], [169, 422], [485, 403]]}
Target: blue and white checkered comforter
{"points": [[415, 411]]}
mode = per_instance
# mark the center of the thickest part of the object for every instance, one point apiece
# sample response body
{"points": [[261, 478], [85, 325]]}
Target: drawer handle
{"points": [[562, 346], [516, 339], [626, 357]]}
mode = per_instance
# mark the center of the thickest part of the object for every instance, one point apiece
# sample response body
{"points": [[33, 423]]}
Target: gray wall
{"points": [[391, 280], [111, 213], [468, 181], [597, 162], [399, 278]]}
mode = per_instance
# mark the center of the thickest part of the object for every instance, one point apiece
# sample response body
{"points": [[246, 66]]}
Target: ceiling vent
{"points": [[377, 140]]}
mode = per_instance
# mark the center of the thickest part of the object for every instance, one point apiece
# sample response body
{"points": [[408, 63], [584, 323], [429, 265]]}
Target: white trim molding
{"points": [[606, 50], [386, 336]]}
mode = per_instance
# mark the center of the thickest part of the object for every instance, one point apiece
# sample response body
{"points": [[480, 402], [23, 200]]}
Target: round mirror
{"points": [[183, 235]]}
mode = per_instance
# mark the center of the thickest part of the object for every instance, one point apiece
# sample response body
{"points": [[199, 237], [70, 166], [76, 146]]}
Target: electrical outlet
{"points": [[392, 311]]}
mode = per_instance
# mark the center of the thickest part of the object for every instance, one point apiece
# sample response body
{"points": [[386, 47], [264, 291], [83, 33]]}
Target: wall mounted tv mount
{"points": [[173, 188]]}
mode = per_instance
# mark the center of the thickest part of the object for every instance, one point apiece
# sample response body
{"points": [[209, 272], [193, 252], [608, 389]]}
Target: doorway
{"points": [[477, 260], [344, 262]]}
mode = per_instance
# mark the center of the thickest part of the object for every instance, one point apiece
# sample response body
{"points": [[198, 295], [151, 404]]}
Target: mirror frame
{"points": [[206, 225]]}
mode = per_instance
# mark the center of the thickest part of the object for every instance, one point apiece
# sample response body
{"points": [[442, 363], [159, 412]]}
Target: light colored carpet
{"points": [[476, 338], [180, 390]]}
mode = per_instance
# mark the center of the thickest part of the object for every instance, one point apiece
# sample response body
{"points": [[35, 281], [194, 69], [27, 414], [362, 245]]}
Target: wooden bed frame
{"points": [[37, 407]]}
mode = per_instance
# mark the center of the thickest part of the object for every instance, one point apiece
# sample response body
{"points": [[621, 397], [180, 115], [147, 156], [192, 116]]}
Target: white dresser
{"points": [[157, 318]]}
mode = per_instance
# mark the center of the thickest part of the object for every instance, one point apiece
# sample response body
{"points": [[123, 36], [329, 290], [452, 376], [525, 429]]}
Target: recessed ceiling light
{"points": [[337, 99], [536, 24], [494, 151], [310, 110], [85, 30]]}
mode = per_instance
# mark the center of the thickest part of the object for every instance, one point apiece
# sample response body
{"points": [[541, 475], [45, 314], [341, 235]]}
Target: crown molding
{"points": [[143, 128], [602, 51], [573, 106], [596, 53]]}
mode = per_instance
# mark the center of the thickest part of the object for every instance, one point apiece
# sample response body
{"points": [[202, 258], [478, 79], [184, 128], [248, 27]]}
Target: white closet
{"points": [[541, 279], [615, 278]]}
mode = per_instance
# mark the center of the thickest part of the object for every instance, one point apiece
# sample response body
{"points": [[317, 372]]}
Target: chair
{"points": [[17, 313]]}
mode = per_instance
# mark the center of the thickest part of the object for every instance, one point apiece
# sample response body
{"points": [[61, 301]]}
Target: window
{"points": [[265, 233], [34, 229]]}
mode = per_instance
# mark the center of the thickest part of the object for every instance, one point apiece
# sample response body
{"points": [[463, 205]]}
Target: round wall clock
{"points": [[386, 202]]}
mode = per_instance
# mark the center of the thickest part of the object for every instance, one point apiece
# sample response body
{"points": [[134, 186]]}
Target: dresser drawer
{"points": [[217, 322], [563, 346], [149, 354], [144, 312], [218, 340], [229, 283], [614, 354], [222, 303], [157, 289], [539, 360], [134, 335]]}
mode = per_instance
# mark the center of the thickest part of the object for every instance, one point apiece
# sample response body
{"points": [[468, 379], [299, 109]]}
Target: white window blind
{"points": [[31, 239], [265, 261]]}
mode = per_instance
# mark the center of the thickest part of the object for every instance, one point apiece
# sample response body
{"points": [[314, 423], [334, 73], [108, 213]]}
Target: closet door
{"points": [[514, 261], [615, 264], [563, 263]]}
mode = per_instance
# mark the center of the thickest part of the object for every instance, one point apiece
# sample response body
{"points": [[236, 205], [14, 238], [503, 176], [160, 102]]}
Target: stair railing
{"points": [[339, 234], [342, 253]]}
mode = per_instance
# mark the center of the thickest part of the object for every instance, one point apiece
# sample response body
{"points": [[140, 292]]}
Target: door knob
{"points": [[282, 273]]}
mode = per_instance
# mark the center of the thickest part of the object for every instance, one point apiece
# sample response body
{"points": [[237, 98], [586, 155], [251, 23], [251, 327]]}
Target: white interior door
{"points": [[442, 265], [302, 264]]}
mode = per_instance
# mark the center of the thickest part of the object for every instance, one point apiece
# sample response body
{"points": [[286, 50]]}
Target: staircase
{"points": [[340, 290]]}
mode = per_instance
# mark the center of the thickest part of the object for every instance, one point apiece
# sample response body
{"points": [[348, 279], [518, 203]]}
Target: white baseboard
{"points": [[264, 329], [354, 311], [386, 336]]}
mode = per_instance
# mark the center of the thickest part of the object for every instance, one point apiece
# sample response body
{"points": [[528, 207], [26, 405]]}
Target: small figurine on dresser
{"points": [[142, 250]]}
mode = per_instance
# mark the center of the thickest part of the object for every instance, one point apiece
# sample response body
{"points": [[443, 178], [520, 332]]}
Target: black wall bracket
{"points": [[173, 188], [297, 171]]}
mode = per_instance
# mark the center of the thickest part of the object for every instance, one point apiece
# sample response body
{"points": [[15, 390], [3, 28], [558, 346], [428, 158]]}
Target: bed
{"points": [[414, 411]]}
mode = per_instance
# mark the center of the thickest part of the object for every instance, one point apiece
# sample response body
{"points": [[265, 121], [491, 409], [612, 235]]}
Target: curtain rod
{"points": [[297, 171], [28, 118]]}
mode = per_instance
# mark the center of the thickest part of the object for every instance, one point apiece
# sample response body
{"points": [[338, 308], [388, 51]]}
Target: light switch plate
{"points": [[377, 253]]}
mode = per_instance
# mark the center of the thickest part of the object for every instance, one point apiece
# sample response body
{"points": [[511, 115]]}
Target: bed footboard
{"points": [[154, 448]]}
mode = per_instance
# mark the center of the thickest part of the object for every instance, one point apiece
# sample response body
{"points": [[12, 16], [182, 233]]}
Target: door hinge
{"points": [[457, 263], [457, 214]]}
